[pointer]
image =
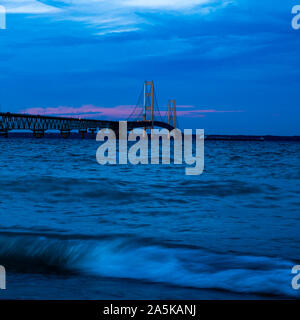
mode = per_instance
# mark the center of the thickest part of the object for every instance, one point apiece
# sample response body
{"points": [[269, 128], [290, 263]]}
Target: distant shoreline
{"points": [[252, 138], [210, 137]]}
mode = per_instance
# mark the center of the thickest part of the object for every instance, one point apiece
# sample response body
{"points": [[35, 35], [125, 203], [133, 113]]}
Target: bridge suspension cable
{"points": [[137, 112], [147, 107], [146, 114]]}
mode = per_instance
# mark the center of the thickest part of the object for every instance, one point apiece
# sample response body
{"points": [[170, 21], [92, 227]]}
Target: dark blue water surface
{"points": [[71, 228]]}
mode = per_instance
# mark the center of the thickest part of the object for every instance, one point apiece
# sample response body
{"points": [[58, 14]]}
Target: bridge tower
{"points": [[148, 101], [172, 113]]}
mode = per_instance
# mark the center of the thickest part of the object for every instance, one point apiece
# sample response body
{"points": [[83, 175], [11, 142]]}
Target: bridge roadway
{"points": [[38, 124]]}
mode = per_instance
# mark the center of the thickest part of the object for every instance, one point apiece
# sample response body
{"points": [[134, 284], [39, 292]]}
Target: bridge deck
{"points": [[16, 121]]}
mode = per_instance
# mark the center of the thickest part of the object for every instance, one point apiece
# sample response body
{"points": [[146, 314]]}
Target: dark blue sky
{"points": [[232, 66]]}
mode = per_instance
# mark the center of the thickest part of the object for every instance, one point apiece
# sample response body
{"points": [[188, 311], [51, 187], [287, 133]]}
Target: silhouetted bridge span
{"points": [[40, 124], [145, 115]]}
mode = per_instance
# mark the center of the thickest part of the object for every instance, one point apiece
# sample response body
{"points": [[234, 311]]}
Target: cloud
{"points": [[85, 111], [28, 7], [199, 113], [169, 4], [110, 16], [117, 112]]}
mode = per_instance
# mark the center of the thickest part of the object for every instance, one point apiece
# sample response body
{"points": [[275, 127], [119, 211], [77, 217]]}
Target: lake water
{"points": [[73, 229]]}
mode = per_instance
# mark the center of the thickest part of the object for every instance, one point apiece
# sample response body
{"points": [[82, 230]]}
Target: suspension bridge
{"points": [[146, 115]]}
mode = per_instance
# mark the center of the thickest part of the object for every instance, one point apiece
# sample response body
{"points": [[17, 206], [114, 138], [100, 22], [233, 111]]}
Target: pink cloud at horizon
{"points": [[121, 111], [83, 111], [200, 113]]}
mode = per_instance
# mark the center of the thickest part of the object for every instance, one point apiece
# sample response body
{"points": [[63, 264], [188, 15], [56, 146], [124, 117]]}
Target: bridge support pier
{"points": [[82, 132], [65, 133], [4, 133], [38, 133]]}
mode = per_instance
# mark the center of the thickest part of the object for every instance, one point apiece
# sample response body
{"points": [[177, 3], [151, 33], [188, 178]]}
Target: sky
{"points": [[231, 65]]}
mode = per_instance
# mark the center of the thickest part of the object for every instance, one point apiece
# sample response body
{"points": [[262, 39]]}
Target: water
{"points": [[72, 229]]}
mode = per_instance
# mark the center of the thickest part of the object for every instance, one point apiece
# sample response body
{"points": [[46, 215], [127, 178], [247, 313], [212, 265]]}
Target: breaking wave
{"points": [[139, 259]]}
